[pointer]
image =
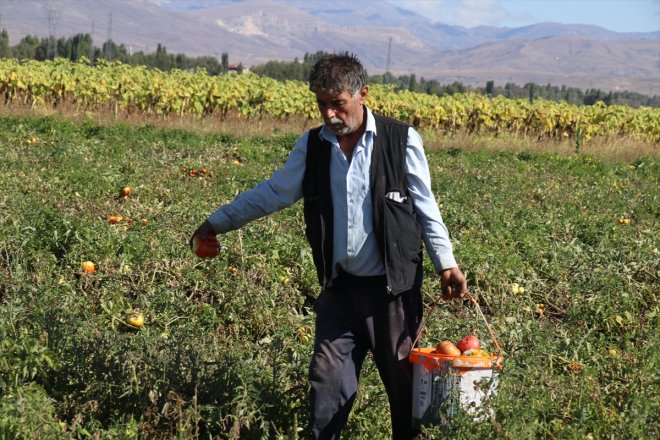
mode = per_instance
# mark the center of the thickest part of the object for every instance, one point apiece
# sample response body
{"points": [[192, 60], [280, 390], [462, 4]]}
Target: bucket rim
{"points": [[431, 359]]}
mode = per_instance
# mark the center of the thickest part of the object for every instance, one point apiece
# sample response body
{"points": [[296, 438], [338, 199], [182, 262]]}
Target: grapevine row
{"points": [[123, 88]]}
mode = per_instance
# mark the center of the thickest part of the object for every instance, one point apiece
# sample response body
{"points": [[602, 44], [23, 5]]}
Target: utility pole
{"points": [[91, 46], [53, 15], [389, 53], [108, 54]]}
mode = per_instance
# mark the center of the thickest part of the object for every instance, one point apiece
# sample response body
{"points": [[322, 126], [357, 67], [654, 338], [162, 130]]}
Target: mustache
{"points": [[333, 121]]}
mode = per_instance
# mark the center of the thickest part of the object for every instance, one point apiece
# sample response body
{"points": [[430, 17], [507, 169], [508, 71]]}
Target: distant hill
{"points": [[381, 34]]}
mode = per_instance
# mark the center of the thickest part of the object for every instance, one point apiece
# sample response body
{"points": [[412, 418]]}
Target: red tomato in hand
{"points": [[207, 248], [468, 342]]}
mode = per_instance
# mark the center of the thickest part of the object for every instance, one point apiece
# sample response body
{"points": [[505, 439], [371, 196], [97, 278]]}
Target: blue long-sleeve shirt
{"points": [[354, 246]]}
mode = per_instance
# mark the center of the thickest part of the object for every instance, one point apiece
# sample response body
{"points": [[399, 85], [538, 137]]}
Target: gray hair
{"points": [[336, 73]]}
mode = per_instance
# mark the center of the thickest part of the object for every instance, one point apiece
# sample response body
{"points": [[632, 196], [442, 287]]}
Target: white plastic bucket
{"points": [[442, 384]]}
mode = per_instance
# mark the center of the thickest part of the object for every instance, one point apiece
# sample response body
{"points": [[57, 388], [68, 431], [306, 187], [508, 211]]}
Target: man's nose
{"points": [[328, 112]]}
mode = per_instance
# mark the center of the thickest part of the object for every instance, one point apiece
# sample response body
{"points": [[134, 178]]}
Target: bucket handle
{"points": [[476, 304]]}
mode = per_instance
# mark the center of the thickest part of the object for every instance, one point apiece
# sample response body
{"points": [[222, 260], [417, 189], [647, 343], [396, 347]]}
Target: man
{"points": [[368, 205]]}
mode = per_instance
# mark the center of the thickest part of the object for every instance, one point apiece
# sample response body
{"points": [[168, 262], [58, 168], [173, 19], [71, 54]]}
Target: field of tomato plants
{"points": [[561, 253]]}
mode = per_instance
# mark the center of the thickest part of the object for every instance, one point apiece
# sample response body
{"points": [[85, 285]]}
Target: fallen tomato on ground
{"points": [[135, 319], [88, 266]]}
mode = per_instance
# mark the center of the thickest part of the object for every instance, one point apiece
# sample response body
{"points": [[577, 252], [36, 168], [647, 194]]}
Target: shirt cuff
{"points": [[443, 262], [220, 221]]}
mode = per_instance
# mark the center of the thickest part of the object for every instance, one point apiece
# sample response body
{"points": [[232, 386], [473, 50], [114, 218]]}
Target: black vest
{"points": [[395, 224]]}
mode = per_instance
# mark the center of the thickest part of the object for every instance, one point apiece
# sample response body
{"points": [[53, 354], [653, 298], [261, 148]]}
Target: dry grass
{"points": [[232, 124], [611, 149]]}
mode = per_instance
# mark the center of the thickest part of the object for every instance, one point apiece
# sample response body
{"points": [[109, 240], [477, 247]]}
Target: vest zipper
{"points": [[326, 276], [388, 287]]}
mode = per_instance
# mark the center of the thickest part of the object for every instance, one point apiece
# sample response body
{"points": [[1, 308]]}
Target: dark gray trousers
{"points": [[353, 317]]}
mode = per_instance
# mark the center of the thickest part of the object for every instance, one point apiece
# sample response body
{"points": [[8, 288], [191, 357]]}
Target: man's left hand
{"points": [[454, 284]]}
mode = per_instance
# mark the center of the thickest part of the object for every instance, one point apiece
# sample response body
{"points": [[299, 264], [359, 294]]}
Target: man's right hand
{"points": [[453, 283], [204, 230]]}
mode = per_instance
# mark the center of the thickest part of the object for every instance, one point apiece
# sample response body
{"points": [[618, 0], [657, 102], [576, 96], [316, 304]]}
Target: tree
{"points": [[433, 87], [225, 62], [111, 51], [5, 50], [81, 45], [412, 83], [209, 63], [455, 87], [162, 60], [490, 88], [26, 48], [388, 78], [592, 96], [312, 58], [531, 90]]}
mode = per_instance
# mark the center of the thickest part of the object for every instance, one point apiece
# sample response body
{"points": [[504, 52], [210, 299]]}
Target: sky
{"points": [[615, 15]]}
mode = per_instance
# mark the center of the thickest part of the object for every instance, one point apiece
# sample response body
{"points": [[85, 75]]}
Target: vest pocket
{"points": [[403, 243]]}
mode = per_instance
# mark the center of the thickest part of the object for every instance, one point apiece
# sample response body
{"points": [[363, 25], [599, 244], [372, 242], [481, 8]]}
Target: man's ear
{"points": [[364, 91]]}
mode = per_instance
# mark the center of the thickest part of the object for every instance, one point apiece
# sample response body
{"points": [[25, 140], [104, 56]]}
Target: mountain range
{"points": [[384, 36]]}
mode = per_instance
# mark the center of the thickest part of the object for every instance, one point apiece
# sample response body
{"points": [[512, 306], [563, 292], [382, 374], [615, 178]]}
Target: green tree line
{"points": [[299, 70], [81, 45]]}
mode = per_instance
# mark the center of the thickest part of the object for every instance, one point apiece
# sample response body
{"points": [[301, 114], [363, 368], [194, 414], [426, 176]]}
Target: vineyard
{"points": [[122, 88]]}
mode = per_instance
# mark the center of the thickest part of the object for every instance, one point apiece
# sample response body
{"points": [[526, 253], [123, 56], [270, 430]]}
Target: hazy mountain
{"points": [[591, 63], [383, 35]]}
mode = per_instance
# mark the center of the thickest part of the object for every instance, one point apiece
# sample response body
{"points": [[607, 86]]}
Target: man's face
{"points": [[342, 113]]}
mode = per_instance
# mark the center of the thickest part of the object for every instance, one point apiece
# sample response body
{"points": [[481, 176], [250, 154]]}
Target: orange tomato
{"points": [[126, 191], [88, 266], [114, 219], [135, 319], [448, 348], [207, 248], [476, 352]]}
